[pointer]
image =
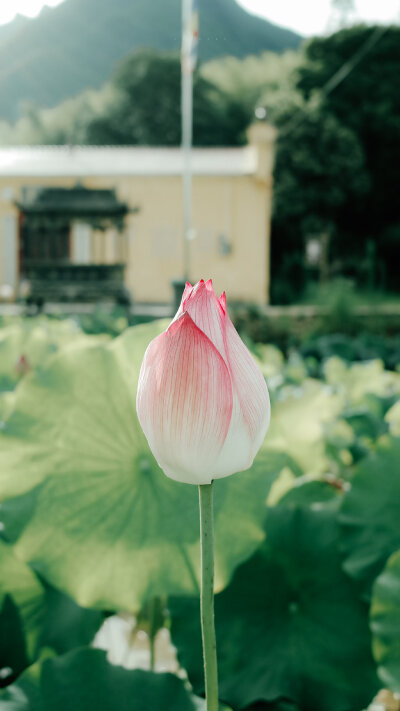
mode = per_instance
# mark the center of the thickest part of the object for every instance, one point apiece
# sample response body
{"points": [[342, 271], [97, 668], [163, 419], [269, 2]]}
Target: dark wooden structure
{"points": [[46, 266]]}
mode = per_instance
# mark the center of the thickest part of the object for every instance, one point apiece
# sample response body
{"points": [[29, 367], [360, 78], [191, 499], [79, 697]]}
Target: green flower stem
{"points": [[207, 595], [152, 631]]}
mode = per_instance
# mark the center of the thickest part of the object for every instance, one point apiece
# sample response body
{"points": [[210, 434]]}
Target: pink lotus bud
{"points": [[202, 401]]}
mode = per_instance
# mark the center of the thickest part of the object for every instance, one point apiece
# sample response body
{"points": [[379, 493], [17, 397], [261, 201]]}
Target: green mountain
{"points": [[76, 45]]}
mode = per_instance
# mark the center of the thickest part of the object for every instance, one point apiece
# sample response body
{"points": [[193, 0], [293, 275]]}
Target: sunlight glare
{"points": [[312, 16], [309, 17], [30, 8]]}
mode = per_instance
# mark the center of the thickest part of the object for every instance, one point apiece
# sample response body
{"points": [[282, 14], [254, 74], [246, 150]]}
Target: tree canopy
{"points": [[367, 102], [338, 154], [319, 170], [147, 110]]}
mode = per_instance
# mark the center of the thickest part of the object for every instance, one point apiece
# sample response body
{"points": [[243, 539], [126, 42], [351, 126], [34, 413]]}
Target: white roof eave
{"points": [[83, 161]]}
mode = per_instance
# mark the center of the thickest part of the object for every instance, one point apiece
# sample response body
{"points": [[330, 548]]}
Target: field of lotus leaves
{"points": [[99, 551]]}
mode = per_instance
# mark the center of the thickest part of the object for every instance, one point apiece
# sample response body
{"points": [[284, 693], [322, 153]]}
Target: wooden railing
{"points": [[63, 281]]}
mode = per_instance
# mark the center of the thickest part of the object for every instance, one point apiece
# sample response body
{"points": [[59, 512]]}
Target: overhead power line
{"points": [[342, 73], [351, 64]]}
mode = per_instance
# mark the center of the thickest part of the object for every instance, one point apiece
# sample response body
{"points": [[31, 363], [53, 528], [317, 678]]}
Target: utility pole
{"points": [[343, 11], [188, 63]]}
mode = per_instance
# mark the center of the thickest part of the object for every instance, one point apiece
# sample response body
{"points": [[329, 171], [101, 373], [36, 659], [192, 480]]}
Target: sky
{"points": [[310, 17], [307, 17]]}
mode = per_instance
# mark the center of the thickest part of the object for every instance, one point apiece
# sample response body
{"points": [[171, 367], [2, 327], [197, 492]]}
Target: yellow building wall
{"points": [[227, 211]]}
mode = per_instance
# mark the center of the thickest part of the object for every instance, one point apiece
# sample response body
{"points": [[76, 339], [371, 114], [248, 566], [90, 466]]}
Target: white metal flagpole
{"points": [[188, 63]]}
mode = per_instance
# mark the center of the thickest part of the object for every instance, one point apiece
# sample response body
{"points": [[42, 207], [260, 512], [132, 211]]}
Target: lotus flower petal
{"points": [[184, 401], [249, 386], [205, 310]]}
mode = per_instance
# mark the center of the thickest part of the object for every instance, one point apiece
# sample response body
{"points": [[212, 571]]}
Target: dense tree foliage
{"points": [[368, 103], [147, 110], [320, 168], [338, 158]]}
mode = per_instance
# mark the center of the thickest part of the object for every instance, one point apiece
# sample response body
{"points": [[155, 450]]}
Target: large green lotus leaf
{"points": [[83, 680], [29, 343], [366, 423], [66, 625], [13, 657], [41, 431], [7, 399], [369, 515], [290, 626], [269, 359], [297, 424], [200, 705], [15, 699], [339, 438], [392, 417], [280, 706], [312, 493], [19, 582], [98, 518], [385, 623], [295, 370], [359, 379]]}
